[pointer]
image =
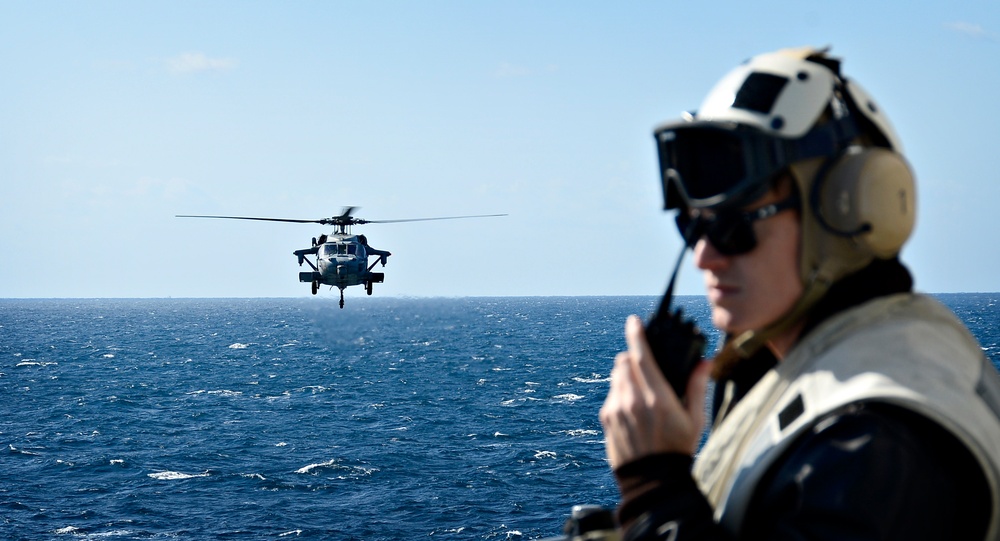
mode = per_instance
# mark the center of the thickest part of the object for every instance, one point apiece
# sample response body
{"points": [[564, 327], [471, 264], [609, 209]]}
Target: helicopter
{"points": [[342, 258]]}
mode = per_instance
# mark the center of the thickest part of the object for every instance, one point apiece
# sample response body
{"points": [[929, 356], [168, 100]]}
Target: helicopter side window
{"points": [[352, 249], [327, 250]]}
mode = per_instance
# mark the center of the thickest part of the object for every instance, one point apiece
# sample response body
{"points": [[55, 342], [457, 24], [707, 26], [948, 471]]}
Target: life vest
{"points": [[906, 349]]}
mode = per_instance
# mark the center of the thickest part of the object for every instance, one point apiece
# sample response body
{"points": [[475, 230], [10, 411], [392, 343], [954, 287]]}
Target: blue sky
{"points": [[118, 115]]}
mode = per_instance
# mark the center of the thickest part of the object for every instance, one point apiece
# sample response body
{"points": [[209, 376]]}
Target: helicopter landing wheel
{"points": [[368, 288], [315, 286]]}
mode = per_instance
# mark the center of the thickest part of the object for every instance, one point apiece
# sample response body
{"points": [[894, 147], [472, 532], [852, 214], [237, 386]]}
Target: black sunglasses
{"points": [[730, 231]]}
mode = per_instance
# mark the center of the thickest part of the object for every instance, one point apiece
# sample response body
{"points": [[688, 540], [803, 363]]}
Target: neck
{"points": [[781, 344]]}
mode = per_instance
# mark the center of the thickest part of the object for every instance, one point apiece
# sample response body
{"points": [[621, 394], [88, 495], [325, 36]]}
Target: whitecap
{"points": [[226, 392], [311, 467], [594, 378], [175, 475], [238, 345], [117, 462], [581, 432], [33, 362], [570, 397], [296, 533], [545, 454], [21, 451], [66, 530]]}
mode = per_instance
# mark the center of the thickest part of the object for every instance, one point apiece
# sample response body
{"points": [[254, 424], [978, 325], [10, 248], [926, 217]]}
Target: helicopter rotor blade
{"points": [[427, 219], [345, 219], [253, 218]]}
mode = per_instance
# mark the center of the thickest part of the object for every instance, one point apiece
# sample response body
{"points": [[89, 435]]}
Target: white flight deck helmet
{"points": [[792, 111]]}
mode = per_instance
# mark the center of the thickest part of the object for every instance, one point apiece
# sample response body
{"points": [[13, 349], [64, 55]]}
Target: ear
{"points": [[868, 194]]}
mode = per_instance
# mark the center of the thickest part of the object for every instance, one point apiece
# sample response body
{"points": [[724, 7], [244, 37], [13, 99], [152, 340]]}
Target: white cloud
{"points": [[971, 29], [198, 62]]}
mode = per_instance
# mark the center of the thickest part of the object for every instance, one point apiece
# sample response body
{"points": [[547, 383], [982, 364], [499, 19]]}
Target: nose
{"points": [[707, 257]]}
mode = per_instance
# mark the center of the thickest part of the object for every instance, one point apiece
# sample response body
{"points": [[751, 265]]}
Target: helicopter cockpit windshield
{"points": [[335, 249]]}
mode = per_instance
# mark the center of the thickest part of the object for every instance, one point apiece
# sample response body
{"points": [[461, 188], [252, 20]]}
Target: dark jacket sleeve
{"points": [[867, 472]]}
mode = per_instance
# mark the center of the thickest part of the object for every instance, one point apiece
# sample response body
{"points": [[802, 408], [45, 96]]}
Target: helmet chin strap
{"points": [[749, 342]]}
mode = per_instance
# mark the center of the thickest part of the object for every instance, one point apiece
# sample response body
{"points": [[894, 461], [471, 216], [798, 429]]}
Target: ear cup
{"points": [[868, 194]]}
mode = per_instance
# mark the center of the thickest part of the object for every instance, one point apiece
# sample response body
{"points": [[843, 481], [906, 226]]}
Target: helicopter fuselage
{"points": [[342, 260]]}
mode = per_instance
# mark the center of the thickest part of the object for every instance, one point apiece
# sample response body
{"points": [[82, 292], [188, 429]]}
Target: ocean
{"points": [[468, 418]]}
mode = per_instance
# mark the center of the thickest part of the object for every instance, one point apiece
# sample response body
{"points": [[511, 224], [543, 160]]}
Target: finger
{"points": [[635, 337]]}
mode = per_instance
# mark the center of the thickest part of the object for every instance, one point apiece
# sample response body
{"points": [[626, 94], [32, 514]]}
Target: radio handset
{"points": [[676, 342]]}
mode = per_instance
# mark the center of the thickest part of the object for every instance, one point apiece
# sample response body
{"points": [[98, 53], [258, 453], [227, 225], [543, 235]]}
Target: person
{"points": [[844, 405]]}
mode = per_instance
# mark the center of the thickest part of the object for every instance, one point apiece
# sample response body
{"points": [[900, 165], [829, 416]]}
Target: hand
{"points": [[642, 415]]}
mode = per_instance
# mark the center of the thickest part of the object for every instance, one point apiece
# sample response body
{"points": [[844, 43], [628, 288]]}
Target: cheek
{"points": [[785, 284]]}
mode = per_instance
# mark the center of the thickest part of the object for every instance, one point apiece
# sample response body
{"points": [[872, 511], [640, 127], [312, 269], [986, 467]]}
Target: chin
{"points": [[723, 321], [728, 322]]}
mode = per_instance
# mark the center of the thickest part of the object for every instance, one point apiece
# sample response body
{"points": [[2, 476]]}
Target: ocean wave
{"points": [[580, 432], [238, 345], [317, 465], [33, 362], [175, 475], [568, 397], [594, 378], [21, 451], [220, 392], [353, 472]]}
